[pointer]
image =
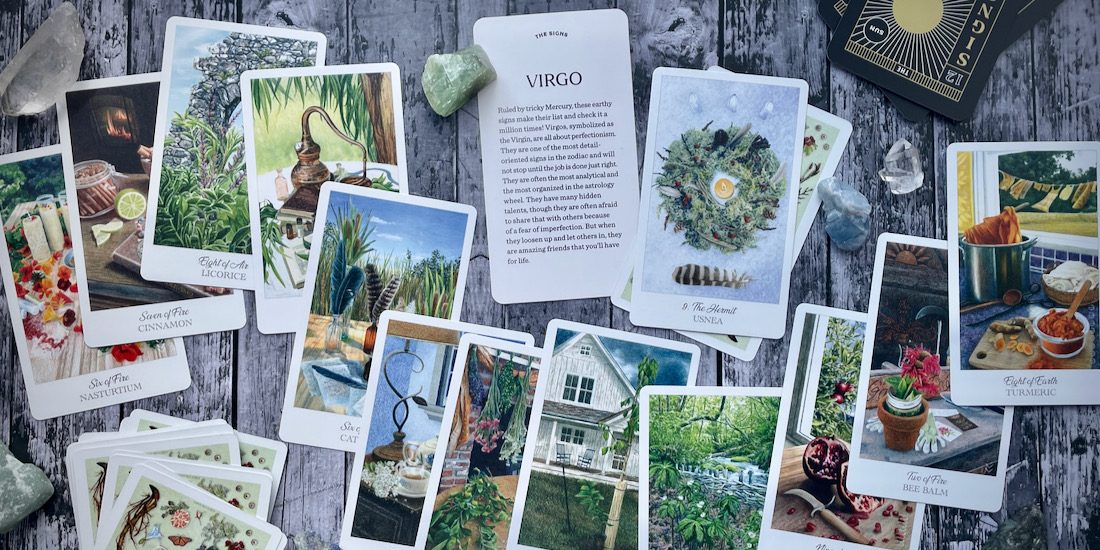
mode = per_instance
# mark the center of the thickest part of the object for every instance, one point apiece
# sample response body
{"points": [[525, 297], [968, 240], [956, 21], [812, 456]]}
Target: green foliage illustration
{"points": [[720, 187], [839, 377], [204, 203]]}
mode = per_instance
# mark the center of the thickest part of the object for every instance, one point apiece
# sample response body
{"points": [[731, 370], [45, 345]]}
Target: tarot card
{"points": [[902, 446], [86, 464], [497, 391], [199, 212], [354, 133], [708, 458], [559, 153], [380, 251], [811, 504], [823, 145], [257, 452], [407, 391], [248, 489], [720, 189], [587, 430], [108, 127], [159, 510], [937, 54], [62, 374], [1010, 292]]}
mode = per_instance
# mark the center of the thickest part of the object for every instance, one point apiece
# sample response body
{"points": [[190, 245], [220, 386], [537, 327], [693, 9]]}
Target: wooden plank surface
{"points": [[1045, 87]]}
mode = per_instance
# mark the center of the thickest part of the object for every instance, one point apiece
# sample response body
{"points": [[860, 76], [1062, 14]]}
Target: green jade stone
{"points": [[25, 488], [451, 79]]}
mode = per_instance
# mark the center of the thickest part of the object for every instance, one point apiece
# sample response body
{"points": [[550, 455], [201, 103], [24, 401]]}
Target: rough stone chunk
{"points": [[25, 488], [902, 170], [45, 67], [451, 79], [847, 214]]}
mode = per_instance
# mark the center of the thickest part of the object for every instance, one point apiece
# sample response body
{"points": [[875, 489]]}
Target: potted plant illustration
{"points": [[904, 409]]}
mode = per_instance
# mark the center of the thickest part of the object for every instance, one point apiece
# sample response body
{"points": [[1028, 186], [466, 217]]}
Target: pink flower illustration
{"points": [[180, 519]]}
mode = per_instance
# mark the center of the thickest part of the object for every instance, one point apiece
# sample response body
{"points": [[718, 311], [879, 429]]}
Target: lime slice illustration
{"points": [[130, 204], [101, 236]]}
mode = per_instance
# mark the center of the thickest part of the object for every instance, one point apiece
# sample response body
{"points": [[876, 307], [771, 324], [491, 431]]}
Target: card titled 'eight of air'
{"points": [[559, 152]]}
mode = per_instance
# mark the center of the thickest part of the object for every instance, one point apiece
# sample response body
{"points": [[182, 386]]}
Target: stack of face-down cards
{"points": [[165, 482], [927, 54]]}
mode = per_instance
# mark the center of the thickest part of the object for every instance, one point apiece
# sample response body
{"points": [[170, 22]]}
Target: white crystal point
{"points": [[902, 170], [45, 67]]}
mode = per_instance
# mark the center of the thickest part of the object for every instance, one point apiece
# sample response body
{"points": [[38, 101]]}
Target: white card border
{"points": [[177, 264], [750, 318], [874, 477], [278, 465], [310, 427], [450, 411], [351, 503], [274, 315], [978, 387], [77, 453], [182, 468], [278, 539]]}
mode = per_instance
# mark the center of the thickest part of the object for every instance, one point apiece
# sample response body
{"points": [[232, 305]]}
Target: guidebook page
{"points": [[559, 154]]}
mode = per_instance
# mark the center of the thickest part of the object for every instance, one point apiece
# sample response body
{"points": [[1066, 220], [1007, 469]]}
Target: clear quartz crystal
{"points": [[451, 79], [902, 168], [45, 67]]}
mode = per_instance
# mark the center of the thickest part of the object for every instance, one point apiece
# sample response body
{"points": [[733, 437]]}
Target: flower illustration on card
{"points": [[180, 519]]}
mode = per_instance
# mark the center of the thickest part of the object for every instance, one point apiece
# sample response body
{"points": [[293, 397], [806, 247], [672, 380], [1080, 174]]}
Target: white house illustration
{"points": [[585, 388]]}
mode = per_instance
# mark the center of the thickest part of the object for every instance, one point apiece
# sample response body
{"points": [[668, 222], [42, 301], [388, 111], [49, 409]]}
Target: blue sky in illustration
{"points": [[400, 226], [190, 44], [674, 365]]}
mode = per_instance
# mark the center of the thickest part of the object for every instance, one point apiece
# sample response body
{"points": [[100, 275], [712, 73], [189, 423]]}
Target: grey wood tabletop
{"points": [[1046, 86]]}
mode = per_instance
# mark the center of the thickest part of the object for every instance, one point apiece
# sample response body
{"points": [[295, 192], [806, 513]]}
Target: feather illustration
{"points": [[385, 299], [97, 487], [137, 518], [374, 286], [702, 275]]}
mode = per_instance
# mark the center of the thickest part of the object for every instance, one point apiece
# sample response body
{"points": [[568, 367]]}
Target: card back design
{"points": [[199, 215], [935, 52]]}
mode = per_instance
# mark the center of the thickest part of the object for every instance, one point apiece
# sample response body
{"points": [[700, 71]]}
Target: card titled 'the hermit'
{"points": [[559, 152], [719, 202]]}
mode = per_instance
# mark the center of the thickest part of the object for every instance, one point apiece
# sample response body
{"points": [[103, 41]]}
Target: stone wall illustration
{"points": [[215, 98]]}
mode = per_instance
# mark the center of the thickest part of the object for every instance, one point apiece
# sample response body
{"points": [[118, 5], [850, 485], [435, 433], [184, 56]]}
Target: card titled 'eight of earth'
{"points": [[719, 198], [199, 219]]}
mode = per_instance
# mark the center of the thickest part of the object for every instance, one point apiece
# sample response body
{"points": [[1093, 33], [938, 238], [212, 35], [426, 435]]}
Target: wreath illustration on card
{"points": [[721, 189]]}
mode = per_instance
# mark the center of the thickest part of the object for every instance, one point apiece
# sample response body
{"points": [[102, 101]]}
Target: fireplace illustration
{"points": [[115, 120]]}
